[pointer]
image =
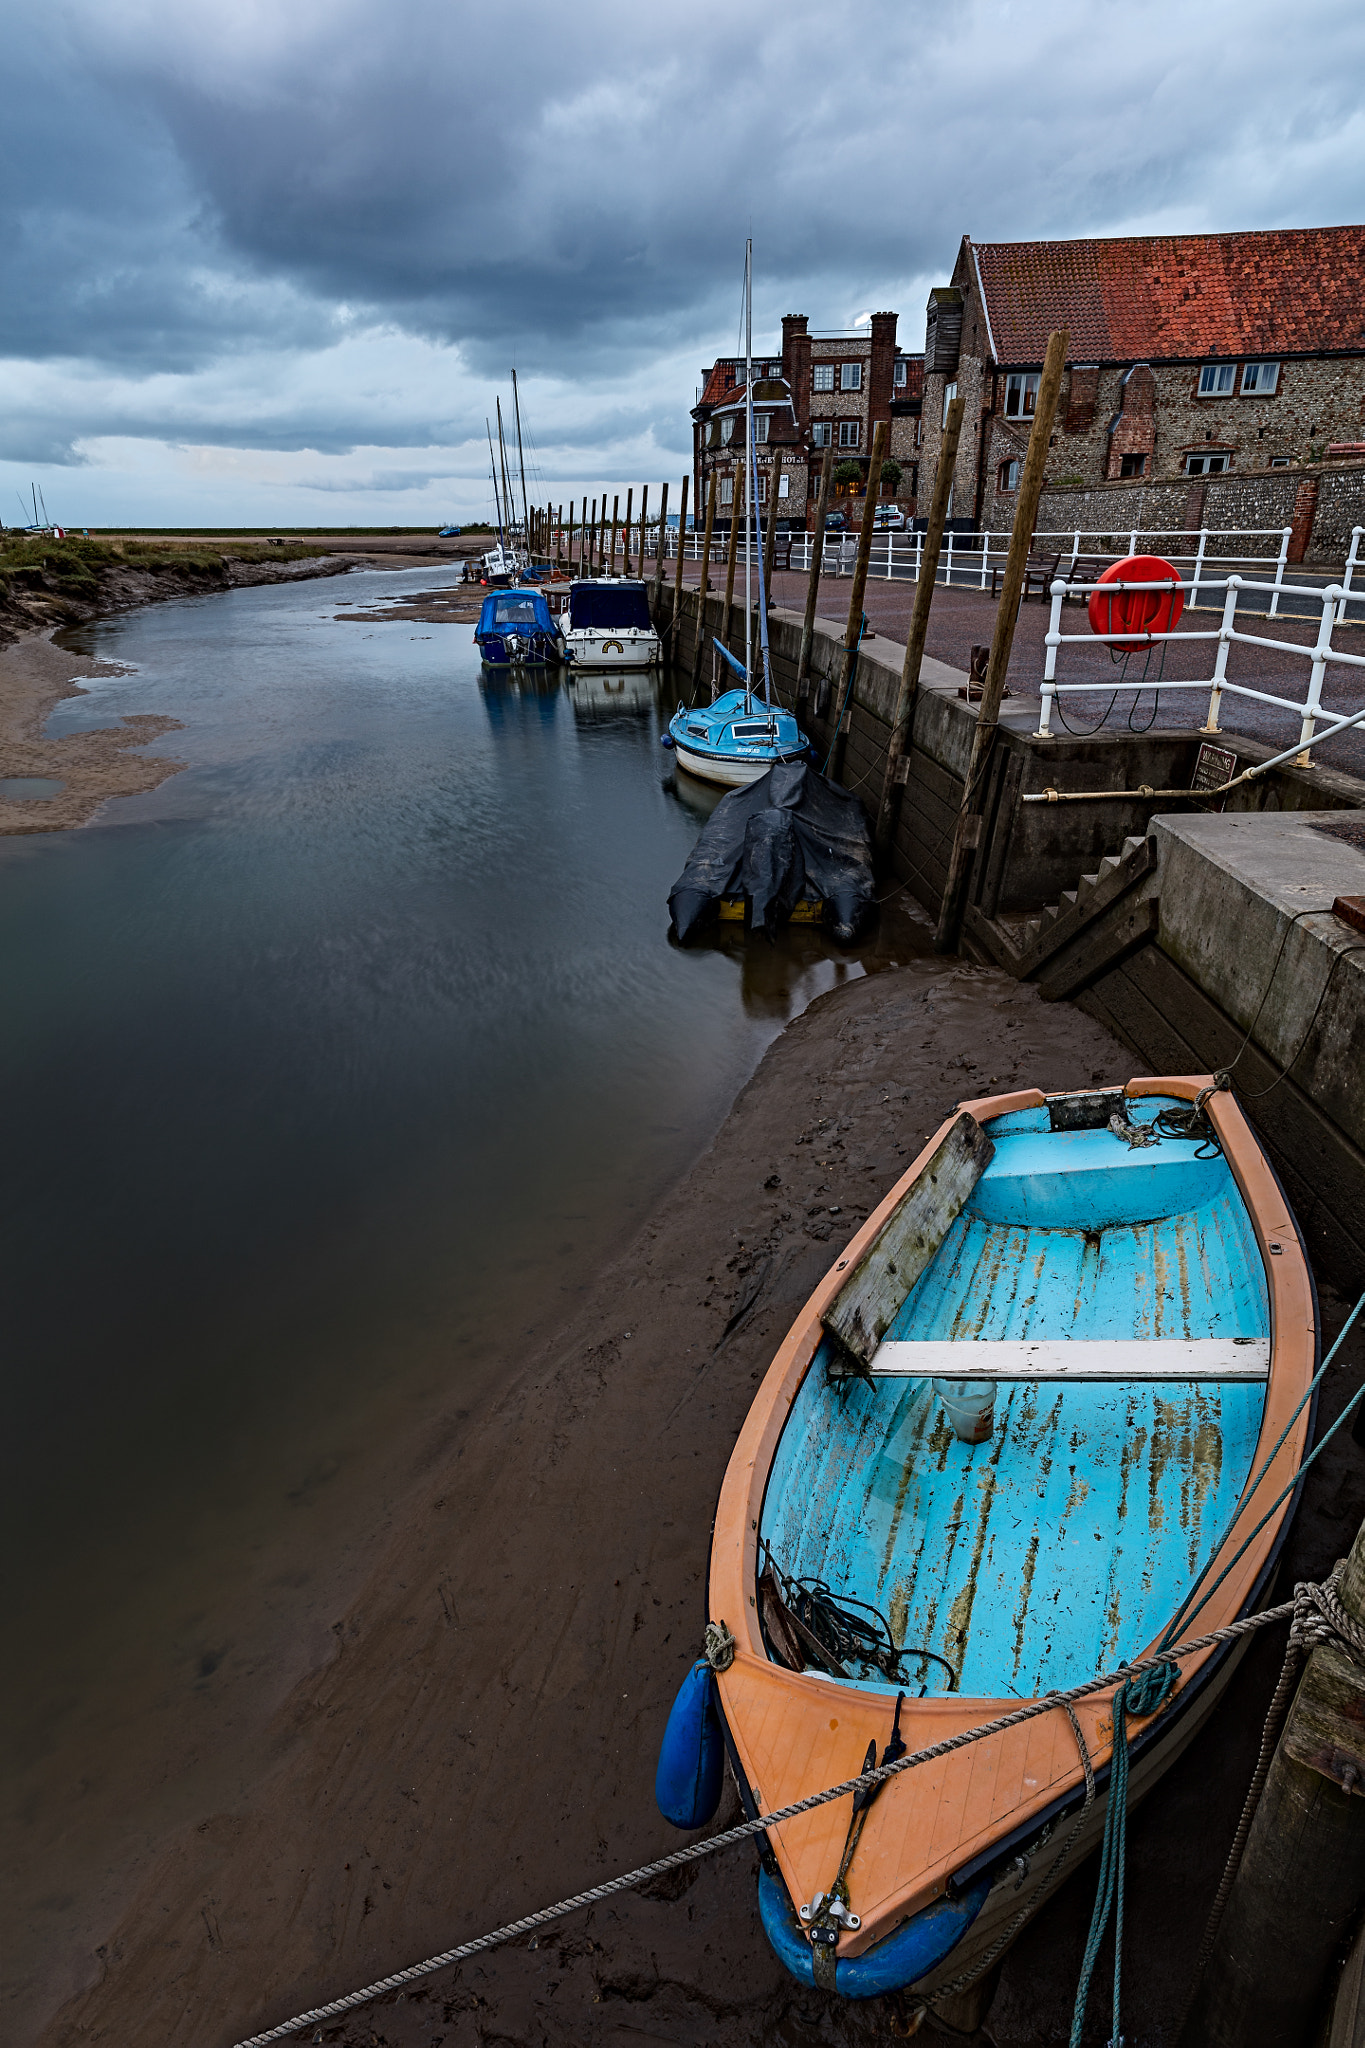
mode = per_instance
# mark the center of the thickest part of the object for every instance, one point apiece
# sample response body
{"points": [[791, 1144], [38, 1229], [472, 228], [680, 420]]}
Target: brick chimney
{"points": [[881, 374], [796, 365]]}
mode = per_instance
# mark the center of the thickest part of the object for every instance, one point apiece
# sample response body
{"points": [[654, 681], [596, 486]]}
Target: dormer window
{"points": [[727, 430], [762, 421], [1217, 380], [1259, 379], [900, 373]]}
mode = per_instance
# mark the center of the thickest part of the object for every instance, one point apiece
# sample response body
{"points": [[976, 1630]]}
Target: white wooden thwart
{"points": [[1119, 1358]]}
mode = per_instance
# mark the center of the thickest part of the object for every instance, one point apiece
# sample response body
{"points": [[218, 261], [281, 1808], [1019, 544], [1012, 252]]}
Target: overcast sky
{"points": [[270, 260]]}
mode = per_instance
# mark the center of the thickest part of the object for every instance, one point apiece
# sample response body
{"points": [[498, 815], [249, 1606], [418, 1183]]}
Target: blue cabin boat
{"points": [[735, 740], [1025, 1429], [517, 630]]}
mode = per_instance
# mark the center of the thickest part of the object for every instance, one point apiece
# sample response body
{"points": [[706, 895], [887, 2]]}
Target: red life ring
{"points": [[1137, 611]]}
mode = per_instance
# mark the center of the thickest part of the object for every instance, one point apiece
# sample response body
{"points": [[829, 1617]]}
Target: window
{"points": [[1260, 378], [1021, 395], [1009, 475], [763, 490], [1132, 465], [822, 434], [850, 376], [762, 421], [850, 433], [727, 490], [784, 485], [824, 377], [1206, 465], [1216, 380], [727, 428], [949, 394], [1280, 462], [900, 373]]}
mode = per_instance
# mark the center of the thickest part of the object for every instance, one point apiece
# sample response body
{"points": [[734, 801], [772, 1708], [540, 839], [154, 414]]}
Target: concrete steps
{"points": [[1026, 950]]}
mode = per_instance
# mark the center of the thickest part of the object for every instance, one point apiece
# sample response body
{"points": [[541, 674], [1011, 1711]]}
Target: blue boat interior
{"points": [[517, 625], [725, 727], [1066, 1540]]}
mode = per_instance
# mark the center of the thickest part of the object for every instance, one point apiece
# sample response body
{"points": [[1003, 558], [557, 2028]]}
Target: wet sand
{"points": [[481, 1738], [34, 677]]}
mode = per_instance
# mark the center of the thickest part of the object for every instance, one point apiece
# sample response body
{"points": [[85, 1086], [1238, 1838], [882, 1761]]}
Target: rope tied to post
{"points": [[1141, 1696]]}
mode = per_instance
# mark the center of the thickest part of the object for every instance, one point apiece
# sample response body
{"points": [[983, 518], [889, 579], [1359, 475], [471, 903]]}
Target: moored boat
{"points": [[608, 624], [735, 740], [516, 630], [1018, 1436]]}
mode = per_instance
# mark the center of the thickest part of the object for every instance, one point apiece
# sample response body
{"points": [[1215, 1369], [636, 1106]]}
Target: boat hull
{"points": [[729, 774], [612, 650], [938, 1828]]}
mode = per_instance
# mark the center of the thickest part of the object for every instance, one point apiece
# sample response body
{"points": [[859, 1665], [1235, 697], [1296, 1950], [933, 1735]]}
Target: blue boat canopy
{"points": [[615, 606], [525, 611]]}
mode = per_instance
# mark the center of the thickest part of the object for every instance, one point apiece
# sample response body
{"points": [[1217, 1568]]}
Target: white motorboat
{"points": [[609, 624]]}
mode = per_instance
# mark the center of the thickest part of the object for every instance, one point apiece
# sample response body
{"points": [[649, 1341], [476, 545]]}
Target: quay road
{"points": [[963, 618]]}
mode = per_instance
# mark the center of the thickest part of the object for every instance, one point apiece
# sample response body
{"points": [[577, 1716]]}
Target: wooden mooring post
{"points": [[853, 630], [967, 831], [813, 584], [770, 537], [615, 522], [728, 618], [705, 583], [625, 532], [659, 548], [644, 509], [903, 718], [1300, 1886], [677, 578]]}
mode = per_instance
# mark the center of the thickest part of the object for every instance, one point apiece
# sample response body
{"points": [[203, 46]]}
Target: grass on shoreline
{"points": [[73, 567]]}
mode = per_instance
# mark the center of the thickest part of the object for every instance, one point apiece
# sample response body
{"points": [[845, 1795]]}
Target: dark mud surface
{"points": [[482, 1737]]}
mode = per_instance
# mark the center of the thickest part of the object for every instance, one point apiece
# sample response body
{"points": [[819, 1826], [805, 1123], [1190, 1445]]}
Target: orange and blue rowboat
{"points": [[1013, 1441]]}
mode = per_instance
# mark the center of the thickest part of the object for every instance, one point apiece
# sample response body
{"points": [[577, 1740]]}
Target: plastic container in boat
{"points": [[971, 1407]]}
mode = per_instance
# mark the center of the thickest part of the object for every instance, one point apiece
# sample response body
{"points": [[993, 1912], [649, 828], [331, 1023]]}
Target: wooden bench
{"points": [[1039, 570], [1085, 569]]}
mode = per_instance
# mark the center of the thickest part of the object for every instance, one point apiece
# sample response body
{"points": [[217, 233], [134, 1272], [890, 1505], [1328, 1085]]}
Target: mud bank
{"points": [[482, 1738], [35, 676]]}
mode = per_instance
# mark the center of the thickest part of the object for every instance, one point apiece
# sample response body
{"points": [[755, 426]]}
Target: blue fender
{"points": [[687, 1784], [902, 1958]]}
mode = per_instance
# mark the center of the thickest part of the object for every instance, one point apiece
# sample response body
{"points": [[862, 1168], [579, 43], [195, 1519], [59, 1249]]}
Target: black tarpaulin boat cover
{"points": [[792, 833]]}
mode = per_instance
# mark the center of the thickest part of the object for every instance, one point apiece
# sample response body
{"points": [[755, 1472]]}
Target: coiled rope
{"points": [[1125, 1676]]}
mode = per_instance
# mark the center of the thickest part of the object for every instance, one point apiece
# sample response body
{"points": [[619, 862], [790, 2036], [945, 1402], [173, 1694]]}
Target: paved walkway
{"points": [[961, 619]]}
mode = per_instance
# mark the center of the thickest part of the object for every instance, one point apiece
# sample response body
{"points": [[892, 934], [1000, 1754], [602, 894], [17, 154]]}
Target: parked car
{"points": [[835, 522], [889, 518], [448, 533]]}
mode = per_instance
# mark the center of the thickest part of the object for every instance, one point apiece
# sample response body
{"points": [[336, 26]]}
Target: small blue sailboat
{"points": [[740, 736], [517, 630]]}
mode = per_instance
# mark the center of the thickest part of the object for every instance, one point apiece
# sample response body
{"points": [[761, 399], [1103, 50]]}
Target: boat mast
{"points": [[526, 517], [749, 444], [494, 468], [762, 600], [506, 484]]}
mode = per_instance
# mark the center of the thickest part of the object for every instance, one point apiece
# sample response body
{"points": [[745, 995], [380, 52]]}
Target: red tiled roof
{"points": [[1289, 291]]}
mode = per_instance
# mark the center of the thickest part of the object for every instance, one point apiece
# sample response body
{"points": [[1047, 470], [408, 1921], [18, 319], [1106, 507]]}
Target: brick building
{"points": [[822, 391], [1188, 355]]}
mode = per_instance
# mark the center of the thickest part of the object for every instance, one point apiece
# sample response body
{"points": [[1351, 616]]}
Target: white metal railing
{"points": [[975, 560], [1333, 599]]}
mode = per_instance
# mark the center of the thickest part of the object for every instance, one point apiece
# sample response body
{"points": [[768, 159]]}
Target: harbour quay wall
{"points": [[1241, 942]]}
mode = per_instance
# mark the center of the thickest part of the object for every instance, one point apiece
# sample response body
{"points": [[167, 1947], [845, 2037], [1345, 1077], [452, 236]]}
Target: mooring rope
{"points": [[1125, 1675]]}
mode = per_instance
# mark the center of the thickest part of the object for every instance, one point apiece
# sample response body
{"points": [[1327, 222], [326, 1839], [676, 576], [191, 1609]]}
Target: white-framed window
{"points": [[901, 372], [1211, 464], [850, 433], [1216, 380], [949, 394], [784, 485], [762, 421], [727, 490], [1008, 479], [1260, 379], [763, 490], [1132, 465], [727, 428], [823, 377], [850, 376], [822, 434], [1021, 395], [1281, 461]]}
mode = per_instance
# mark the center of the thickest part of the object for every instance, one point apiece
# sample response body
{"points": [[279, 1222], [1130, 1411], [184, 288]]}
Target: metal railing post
{"points": [[1281, 559], [1220, 664], [1052, 643], [1352, 564], [1075, 549], [1322, 648], [1198, 563], [1132, 541], [948, 574]]}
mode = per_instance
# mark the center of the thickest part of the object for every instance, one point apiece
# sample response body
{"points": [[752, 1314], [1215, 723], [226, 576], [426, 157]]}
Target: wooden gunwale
{"points": [[795, 1734]]}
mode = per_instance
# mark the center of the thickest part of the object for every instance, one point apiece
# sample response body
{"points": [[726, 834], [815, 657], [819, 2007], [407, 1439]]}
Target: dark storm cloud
{"points": [[570, 188]]}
